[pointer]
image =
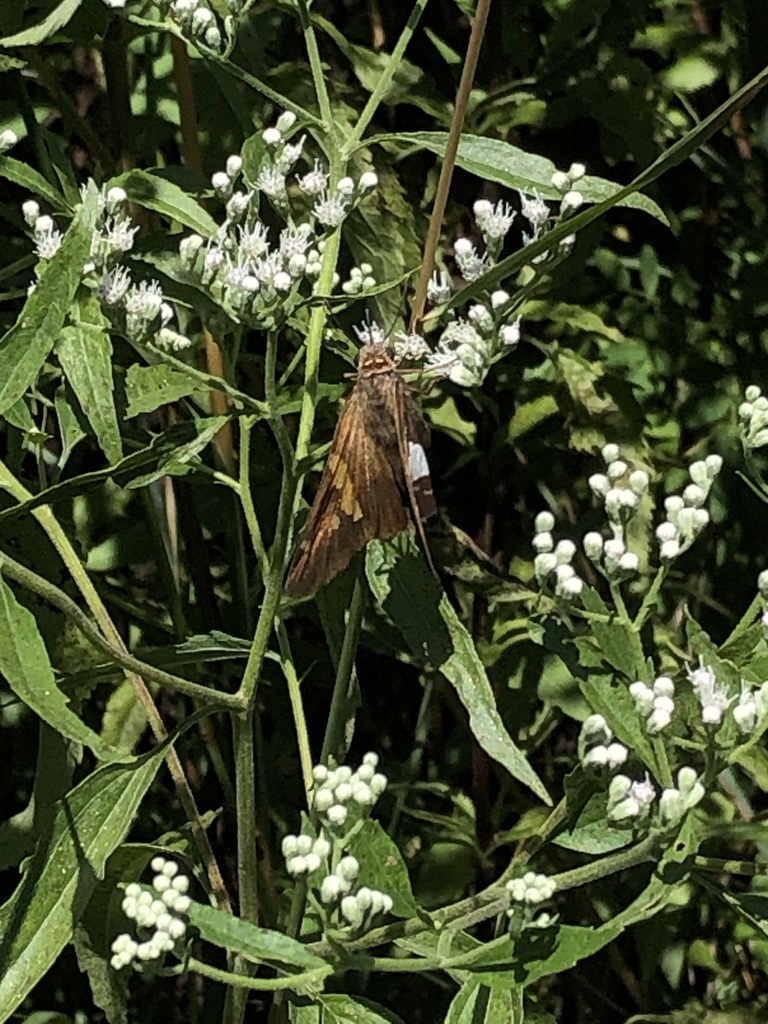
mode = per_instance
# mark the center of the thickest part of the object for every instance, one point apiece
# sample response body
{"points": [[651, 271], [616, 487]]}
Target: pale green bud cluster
{"points": [[597, 747], [686, 516], [332, 872], [196, 19], [753, 419], [630, 800], [158, 913], [654, 703], [712, 695], [674, 804], [552, 563], [339, 790], [531, 889], [360, 279]]}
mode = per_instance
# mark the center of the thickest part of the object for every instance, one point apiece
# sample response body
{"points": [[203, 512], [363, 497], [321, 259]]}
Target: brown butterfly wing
{"points": [[361, 492]]}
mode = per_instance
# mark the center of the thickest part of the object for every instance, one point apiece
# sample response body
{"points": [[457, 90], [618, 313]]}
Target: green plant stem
{"points": [[730, 867], [297, 707], [493, 899], [293, 981], [316, 69], [314, 346], [385, 78], [245, 803], [246, 495], [340, 701], [37, 585]]}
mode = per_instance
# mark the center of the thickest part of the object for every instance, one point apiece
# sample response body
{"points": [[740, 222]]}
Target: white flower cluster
{"points": [[752, 707], [336, 791], [360, 279], [156, 913], [303, 854], [555, 561], [753, 418], [8, 139], [621, 492], [762, 586], [537, 212], [247, 272], [340, 789], [655, 703], [597, 747], [530, 890], [197, 19], [686, 516], [675, 803], [356, 905], [141, 306], [713, 696], [629, 799]]}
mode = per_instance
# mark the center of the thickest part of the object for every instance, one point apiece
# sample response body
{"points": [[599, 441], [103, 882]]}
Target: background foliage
{"points": [[647, 336]]}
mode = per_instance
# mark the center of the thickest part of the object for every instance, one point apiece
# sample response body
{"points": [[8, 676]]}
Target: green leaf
{"points": [[341, 1009], [382, 866], [50, 25], [475, 1003], [260, 945], [691, 73], [528, 415], [412, 598], [613, 637], [149, 387], [676, 153], [613, 701], [88, 824], [20, 417], [31, 180], [84, 349], [24, 663], [124, 473], [499, 161], [70, 431], [154, 192], [24, 349], [177, 463]]}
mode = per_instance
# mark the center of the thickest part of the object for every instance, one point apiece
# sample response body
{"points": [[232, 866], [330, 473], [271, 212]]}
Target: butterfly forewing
{"points": [[376, 472]]}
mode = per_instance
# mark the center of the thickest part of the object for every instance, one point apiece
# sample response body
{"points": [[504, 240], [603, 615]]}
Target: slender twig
{"points": [[297, 706], [38, 585], [316, 68], [344, 683], [449, 160], [385, 78]]}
